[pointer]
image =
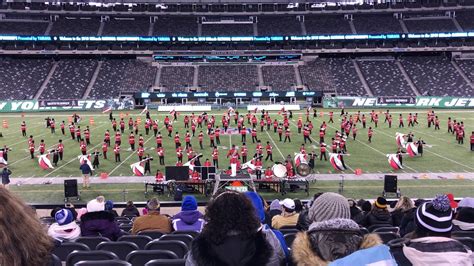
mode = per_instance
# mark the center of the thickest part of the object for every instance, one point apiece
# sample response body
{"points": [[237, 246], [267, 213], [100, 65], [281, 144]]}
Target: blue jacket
{"points": [[85, 168]]}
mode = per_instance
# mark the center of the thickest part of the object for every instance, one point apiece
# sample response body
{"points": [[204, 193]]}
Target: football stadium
{"points": [[237, 132]]}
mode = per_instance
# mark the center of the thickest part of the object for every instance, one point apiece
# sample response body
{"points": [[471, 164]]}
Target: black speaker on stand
{"points": [[70, 189], [390, 185]]}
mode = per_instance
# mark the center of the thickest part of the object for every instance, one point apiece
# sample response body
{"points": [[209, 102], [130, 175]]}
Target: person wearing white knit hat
{"points": [[332, 235], [97, 221]]}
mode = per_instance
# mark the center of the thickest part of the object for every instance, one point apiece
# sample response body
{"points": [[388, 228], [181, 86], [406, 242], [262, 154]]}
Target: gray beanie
{"points": [[329, 206]]}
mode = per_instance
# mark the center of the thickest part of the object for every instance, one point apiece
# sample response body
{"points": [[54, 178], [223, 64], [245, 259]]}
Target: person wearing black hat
{"points": [[379, 215], [431, 243]]}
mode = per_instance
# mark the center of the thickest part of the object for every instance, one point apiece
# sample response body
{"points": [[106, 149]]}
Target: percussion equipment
{"points": [[279, 170], [301, 164]]}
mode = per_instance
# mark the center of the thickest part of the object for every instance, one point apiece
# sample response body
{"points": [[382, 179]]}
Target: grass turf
{"points": [[443, 155]]}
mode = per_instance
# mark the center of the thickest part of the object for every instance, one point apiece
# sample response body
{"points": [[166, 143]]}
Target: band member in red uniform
{"points": [[141, 140], [140, 152], [131, 141], [23, 128], [118, 138], [275, 126], [187, 139], [200, 138], [287, 135], [105, 148], [78, 134], [107, 137], [400, 121], [306, 134], [217, 133], [117, 152], [212, 136], [354, 131], [331, 117], [60, 149], [87, 135], [269, 150], [254, 135], [299, 125], [289, 169], [159, 140], [258, 168], [215, 157], [122, 126], [207, 163], [376, 120], [154, 125], [161, 155], [42, 147], [268, 173], [472, 141], [322, 147], [390, 119], [83, 147], [62, 126], [159, 176], [114, 125], [280, 131], [244, 152], [52, 125], [370, 133], [169, 127], [130, 124], [31, 148], [243, 134], [436, 123], [179, 153], [177, 141]]}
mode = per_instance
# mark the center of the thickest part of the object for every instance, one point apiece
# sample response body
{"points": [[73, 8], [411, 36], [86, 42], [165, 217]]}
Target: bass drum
{"points": [[303, 169], [279, 170]]}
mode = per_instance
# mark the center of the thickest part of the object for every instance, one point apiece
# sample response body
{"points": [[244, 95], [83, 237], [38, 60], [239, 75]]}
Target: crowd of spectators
{"points": [[242, 229]]}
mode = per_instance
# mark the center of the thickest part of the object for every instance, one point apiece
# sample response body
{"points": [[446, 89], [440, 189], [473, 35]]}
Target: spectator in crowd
{"points": [[97, 221], [303, 220], [464, 220], [357, 215], [65, 228], [189, 218], [86, 173], [109, 207], [289, 217], [298, 205], [431, 243], [153, 220], [275, 208], [379, 215], [70, 206], [54, 211], [130, 209], [407, 224], [23, 240], [232, 235], [332, 234], [404, 204], [365, 206], [274, 237], [466, 202]]}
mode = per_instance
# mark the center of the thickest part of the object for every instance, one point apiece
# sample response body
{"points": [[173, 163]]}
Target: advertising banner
{"points": [[35, 106], [57, 103], [226, 94], [399, 102]]}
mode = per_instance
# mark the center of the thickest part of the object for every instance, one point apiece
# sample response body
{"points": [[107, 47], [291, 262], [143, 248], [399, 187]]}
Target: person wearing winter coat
{"points": [[403, 205], [130, 210], [97, 221], [431, 243], [189, 218], [332, 235], [357, 215], [464, 220], [232, 235], [65, 228], [379, 215], [273, 236], [153, 220]]}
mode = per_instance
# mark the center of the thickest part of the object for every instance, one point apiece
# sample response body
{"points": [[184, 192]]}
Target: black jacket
{"points": [[131, 211], [234, 251], [303, 221], [378, 217], [407, 224]]}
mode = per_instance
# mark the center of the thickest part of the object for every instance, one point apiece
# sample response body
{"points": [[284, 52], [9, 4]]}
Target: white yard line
{"points": [[16, 143]]}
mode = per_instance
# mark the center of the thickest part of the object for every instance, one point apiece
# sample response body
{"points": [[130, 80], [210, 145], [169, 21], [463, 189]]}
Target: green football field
{"points": [[442, 153]]}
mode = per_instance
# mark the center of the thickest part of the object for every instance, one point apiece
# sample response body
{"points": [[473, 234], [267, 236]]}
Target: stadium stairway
{"points": [[92, 81], [45, 81], [407, 78], [362, 78], [463, 75]]}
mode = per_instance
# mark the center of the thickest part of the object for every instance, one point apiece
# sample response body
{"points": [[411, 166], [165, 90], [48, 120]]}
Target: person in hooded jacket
{"points": [[431, 243], [65, 228], [403, 205], [332, 235], [357, 215], [275, 208], [97, 221], [379, 215], [130, 210], [232, 235], [189, 219], [273, 236]]}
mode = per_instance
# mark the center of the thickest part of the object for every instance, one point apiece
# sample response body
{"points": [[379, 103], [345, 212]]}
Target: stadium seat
{"points": [[92, 241], [194, 234], [375, 226], [139, 240], [386, 229], [77, 256], [122, 219], [289, 238], [387, 236], [55, 261], [66, 248], [119, 248], [288, 231], [103, 263], [151, 233], [141, 257], [166, 262], [187, 239], [467, 241], [396, 248], [126, 227], [176, 246]]}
